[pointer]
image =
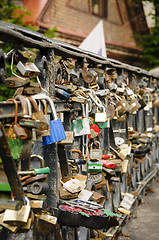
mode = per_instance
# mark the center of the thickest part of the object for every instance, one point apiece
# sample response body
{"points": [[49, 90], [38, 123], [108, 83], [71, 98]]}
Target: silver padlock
{"points": [[95, 153], [101, 116]]}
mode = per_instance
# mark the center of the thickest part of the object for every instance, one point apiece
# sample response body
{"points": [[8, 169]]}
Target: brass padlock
{"points": [[141, 102], [134, 105], [18, 130], [13, 229], [26, 53], [14, 217], [122, 105], [155, 102], [38, 116], [15, 82], [148, 103], [46, 115], [95, 153], [69, 138], [122, 153]]}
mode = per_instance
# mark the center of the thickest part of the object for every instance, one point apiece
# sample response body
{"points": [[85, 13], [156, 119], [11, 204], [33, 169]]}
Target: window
{"points": [[98, 7]]}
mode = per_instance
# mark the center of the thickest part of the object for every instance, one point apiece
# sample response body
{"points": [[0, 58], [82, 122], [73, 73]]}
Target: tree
{"points": [[150, 42]]}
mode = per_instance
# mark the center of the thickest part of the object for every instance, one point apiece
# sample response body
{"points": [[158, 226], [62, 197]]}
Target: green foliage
{"points": [[50, 33], [150, 42], [8, 14]]}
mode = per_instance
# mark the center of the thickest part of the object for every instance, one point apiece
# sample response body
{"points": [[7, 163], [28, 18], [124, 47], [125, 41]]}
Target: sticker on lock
{"points": [[94, 166], [81, 126]]}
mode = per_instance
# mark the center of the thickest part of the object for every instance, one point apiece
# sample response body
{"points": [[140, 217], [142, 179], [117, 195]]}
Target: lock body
{"points": [[95, 153]]}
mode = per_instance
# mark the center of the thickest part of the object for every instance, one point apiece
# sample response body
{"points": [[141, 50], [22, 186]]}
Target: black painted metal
{"points": [[10, 167]]}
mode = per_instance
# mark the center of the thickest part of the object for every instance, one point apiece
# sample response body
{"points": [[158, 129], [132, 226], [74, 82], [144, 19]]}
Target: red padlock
{"points": [[107, 163], [94, 131], [105, 156]]}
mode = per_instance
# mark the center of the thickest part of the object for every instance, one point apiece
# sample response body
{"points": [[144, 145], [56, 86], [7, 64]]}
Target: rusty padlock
{"points": [[18, 130], [38, 116]]}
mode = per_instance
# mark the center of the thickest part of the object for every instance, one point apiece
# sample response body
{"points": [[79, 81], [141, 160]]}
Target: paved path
{"points": [[146, 225]]}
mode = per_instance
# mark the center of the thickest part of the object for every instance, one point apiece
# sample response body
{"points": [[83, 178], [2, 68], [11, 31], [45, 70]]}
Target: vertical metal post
{"points": [[10, 168]]}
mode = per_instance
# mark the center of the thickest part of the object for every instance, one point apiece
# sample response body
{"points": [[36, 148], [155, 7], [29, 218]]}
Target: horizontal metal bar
{"points": [[12, 33], [7, 109]]}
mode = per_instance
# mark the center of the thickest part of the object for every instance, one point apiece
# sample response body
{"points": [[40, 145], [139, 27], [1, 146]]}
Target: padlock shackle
{"points": [[16, 109], [95, 143], [44, 96], [44, 105], [23, 102], [52, 105], [29, 107], [34, 104]]}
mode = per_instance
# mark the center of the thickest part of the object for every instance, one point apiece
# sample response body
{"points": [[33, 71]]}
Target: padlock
{"points": [[155, 101], [10, 204], [94, 131], [122, 105], [38, 116], [141, 102], [23, 102], [101, 117], [37, 161], [122, 118], [31, 90], [134, 105], [57, 132], [26, 53], [148, 103], [46, 216], [36, 204], [14, 217], [95, 153], [26, 119], [29, 121], [122, 153], [13, 229], [46, 115], [94, 166], [89, 76], [69, 138], [125, 166], [28, 69], [18, 130], [81, 126], [61, 94], [15, 82]]}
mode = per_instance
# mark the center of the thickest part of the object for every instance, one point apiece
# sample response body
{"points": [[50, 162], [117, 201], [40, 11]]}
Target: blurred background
{"points": [[131, 27]]}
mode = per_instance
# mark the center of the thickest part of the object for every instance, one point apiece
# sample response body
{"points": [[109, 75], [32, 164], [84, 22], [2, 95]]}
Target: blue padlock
{"points": [[57, 132]]}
